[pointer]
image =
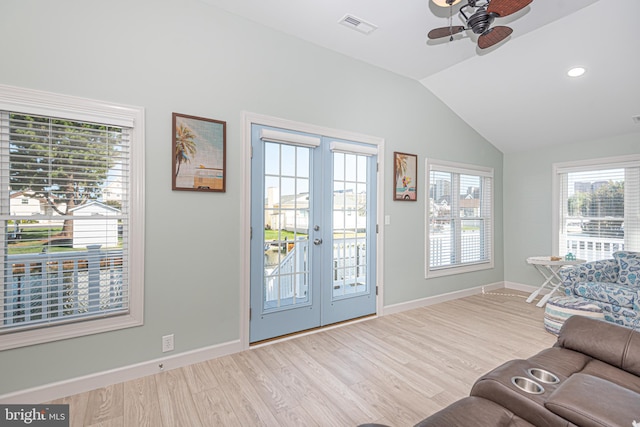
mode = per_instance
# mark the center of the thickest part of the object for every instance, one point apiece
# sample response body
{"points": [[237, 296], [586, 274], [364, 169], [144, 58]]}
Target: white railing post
{"points": [[93, 271]]}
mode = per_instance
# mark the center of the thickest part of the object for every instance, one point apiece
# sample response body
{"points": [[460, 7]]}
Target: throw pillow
{"points": [[629, 263]]}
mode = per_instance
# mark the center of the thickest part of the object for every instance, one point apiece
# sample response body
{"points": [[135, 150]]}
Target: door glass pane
{"points": [[286, 219], [349, 262]]}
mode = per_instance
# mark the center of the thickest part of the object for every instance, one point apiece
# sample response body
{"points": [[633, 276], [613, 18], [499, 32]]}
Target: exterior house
{"points": [[112, 192], [100, 227], [291, 212], [24, 205]]}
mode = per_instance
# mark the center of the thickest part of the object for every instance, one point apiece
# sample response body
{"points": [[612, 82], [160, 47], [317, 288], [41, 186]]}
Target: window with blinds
{"points": [[598, 207], [65, 223], [459, 217]]}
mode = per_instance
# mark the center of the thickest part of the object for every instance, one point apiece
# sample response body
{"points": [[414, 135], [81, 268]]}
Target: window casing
{"points": [[596, 206], [72, 259], [459, 218]]}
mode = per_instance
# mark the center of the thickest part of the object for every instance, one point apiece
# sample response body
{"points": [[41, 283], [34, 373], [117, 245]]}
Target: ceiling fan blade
{"points": [[507, 7], [493, 36], [437, 33]]}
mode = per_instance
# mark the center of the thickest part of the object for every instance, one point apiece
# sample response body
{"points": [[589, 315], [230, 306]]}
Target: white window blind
{"points": [[598, 207], [66, 253], [459, 217], [272, 135], [350, 148]]}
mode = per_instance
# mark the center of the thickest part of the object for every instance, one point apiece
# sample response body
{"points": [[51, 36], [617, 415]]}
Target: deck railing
{"points": [[593, 248], [581, 246], [40, 287], [289, 280]]}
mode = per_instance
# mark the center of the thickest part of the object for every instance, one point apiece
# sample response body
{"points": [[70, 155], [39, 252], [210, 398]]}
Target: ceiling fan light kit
{"points": [[446, 3], [478, 17]]}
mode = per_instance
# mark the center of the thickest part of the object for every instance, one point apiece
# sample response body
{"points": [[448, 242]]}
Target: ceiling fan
{"points": [[479, 15]]}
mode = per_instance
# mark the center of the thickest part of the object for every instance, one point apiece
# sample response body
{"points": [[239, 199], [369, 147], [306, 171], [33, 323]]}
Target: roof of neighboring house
{"points": [[96, 204], [16, 194]]}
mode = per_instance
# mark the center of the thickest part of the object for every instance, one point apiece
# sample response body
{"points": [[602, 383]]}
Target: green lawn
{"points": [[270, 235], [33, 239]]}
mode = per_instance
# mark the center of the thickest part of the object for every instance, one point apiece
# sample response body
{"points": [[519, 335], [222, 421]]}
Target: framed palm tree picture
{"points": [[405, 176], [199, 154]]}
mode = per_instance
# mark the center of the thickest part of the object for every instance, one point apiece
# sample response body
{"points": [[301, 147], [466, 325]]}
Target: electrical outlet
{"points": [[167, 343]]}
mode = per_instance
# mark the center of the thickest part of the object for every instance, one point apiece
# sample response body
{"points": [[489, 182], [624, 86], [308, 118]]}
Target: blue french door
{"points": [[313, 222]]}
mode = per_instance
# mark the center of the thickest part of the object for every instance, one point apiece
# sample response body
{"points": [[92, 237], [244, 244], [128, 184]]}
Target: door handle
{"points": [[317, 241]]}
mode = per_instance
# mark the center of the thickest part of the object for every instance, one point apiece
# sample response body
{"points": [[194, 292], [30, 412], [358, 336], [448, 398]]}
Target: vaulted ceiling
{"points": [[516, 94]]}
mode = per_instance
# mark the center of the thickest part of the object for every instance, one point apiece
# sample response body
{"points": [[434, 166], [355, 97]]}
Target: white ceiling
{"points": [[516, 94]]}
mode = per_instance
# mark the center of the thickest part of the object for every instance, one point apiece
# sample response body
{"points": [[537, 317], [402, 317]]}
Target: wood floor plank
{"points": [[393, 370], [350, 339], [77, 408], [296, 417], [141, 403], [266, 382], [323, 410], [199, 377], [112, 422], [328, 384], [327, 353], [104, 404], [247, 404], [177, 407], [391, 406], [214, 408]]}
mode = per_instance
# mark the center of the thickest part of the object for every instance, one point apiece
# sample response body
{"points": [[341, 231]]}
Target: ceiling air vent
{"points": [[357, 24]]}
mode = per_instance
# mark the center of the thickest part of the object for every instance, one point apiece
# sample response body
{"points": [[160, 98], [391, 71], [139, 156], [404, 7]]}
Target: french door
{"points": [[313, 242]]}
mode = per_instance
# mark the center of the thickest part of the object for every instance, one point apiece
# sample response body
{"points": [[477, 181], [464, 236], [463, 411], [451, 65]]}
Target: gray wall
{"points": [[187, 57], [527, 199]]}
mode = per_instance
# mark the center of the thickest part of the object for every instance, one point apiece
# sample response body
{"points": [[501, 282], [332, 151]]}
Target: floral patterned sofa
{"points": [[612, 284]]}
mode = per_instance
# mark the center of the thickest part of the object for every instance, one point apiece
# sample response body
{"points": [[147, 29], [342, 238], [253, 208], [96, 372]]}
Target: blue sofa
{"points": [[612, 284]]}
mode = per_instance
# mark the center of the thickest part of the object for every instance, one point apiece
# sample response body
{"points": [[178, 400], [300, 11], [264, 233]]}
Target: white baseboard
{"points": [[423, 302], [57, 390]]}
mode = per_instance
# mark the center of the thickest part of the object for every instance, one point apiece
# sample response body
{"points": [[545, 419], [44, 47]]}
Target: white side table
{"points": [[549, 270]]}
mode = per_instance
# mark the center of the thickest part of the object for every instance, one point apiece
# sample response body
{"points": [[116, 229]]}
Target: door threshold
{"points": [[311, 331]]}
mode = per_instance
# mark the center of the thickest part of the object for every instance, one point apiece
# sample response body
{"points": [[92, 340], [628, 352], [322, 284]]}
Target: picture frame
{"points": [[405, 177], [199, 147]]}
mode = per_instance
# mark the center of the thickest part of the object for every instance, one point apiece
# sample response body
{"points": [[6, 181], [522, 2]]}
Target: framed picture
{"points": [[199, 154], [405, 176]]}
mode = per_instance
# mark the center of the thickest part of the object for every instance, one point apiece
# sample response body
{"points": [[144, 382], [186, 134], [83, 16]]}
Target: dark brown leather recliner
{"points": [[590, 377]]}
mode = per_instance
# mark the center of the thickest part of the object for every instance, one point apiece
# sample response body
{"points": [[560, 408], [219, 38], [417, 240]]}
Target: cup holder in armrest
{"points": [[544, 376], [527, 385]]}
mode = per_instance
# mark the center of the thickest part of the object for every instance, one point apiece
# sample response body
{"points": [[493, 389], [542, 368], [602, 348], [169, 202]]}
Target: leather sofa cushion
{"points": [[474, 411], [561, 361], [615, 375], [632, 356], [602, 340], [576, 400]]}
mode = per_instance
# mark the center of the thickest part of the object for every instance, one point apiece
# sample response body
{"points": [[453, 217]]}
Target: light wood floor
{"points": [[393, 370]]}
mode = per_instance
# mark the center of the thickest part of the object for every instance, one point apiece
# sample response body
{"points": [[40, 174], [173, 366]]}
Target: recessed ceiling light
{"points": [[576, 72]]}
